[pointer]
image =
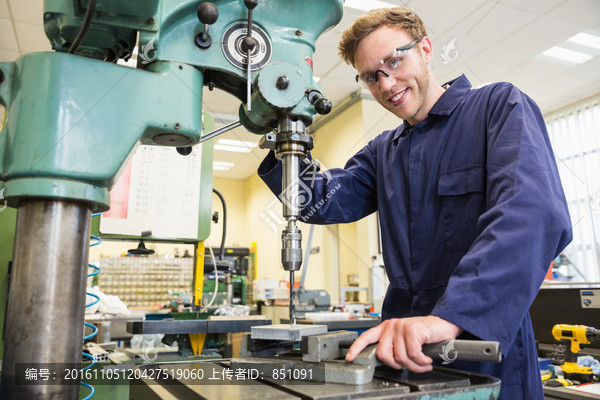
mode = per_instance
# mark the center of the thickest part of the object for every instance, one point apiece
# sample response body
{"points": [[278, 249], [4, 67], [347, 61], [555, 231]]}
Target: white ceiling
{"points": [[496, 40]]}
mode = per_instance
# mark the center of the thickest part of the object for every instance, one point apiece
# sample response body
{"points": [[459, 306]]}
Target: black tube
{"points": [[222, 250], [87, 21]]}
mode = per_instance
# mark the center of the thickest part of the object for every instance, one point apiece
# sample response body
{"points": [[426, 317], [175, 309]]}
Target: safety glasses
{"points": [[388, 65]]}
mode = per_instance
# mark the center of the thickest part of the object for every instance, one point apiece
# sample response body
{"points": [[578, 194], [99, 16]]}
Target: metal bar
{"points": [[464, 350], [193, 326], [44, 321], [249, 80], [451, 350], [220, 131]]}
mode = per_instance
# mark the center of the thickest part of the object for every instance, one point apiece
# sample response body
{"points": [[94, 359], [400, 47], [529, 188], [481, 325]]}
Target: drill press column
{"points": [[44, 320], [291, 147]]}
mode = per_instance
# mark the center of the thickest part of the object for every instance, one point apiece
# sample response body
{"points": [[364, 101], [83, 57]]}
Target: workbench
{"points": [[560, 393]]}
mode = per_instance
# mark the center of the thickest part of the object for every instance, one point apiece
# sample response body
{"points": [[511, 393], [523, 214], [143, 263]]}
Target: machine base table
{"points": [[216, 380]]}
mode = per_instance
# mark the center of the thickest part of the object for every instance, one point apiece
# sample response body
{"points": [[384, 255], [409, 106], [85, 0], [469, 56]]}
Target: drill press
{"points": [[72, 126]]}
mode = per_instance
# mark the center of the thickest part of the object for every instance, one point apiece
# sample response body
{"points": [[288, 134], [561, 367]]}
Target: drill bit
{"points": [[292, 300], [291, 255]]}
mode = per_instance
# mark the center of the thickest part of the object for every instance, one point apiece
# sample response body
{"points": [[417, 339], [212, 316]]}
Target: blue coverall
{"points": [[472, 213]]}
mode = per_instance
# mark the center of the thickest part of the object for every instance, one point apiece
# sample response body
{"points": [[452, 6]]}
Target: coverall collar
{"points": [[457, 89]]}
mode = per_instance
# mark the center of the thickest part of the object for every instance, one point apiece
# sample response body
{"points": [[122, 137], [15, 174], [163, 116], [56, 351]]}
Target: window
{"points": [[575, 137]]}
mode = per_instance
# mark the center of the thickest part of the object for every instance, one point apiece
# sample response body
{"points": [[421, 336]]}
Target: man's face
{"points": [[405, 91]]}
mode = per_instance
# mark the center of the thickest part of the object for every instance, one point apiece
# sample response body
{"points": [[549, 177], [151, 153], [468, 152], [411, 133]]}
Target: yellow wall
{"points": [[264, 220], [234, 192], [335, 143]]}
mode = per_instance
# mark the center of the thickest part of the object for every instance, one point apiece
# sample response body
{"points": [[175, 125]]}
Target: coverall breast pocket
{"points": [[462, 193]]}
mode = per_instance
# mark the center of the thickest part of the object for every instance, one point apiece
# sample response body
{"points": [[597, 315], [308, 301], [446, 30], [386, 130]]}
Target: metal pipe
{"points": [[44, 320]]}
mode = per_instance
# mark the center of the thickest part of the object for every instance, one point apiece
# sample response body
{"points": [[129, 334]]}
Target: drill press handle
{"points": [[447, 351]]}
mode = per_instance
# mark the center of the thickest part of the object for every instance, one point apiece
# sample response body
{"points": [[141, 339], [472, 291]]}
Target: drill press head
{"points": [[175, 60]]}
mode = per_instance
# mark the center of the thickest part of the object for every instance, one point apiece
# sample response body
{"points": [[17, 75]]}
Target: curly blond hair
{"points": [[397, 17]]}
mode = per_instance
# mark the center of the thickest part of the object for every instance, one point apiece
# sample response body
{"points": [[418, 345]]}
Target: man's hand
{"points": [[401, 340]]}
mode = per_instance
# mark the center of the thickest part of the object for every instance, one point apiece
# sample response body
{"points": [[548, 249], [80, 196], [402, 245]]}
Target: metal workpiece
{"points": [[318, 374], [324, 353], [323, 347], [286, 332], [264, 348], [44, 320], [337, 371], [194, 326]]}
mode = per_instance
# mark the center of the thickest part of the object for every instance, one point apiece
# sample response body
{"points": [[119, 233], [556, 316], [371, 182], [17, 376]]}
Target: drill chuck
{"points": [[291, 248]]}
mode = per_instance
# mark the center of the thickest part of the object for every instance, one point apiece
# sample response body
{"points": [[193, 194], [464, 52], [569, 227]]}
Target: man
{"points": [[470, 204]]}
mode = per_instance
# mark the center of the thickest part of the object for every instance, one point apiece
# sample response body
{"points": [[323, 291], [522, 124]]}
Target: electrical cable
{"points": [[87, 21], [212, 254], [222, 249]]}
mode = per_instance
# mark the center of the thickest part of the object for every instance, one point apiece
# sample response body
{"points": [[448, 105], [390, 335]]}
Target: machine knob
{"points": [[248, 44], [185, 150], [208, 13], [250, 4], [322, 105]]}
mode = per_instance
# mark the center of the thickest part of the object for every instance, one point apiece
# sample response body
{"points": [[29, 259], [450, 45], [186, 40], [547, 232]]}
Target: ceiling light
{"points": [[570, 56], [585, 39], [239, 143], [222, 165], [366, 5], [237, 149]]}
